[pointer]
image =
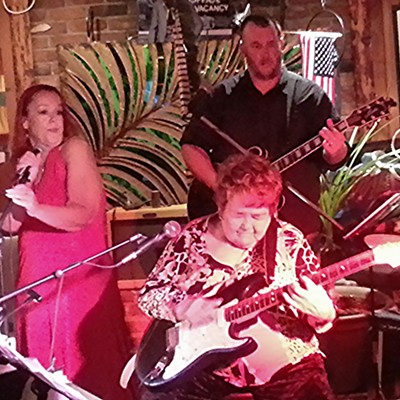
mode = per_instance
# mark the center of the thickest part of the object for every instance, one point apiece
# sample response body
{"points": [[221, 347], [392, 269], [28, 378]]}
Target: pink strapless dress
{"points": [[92, 342]]}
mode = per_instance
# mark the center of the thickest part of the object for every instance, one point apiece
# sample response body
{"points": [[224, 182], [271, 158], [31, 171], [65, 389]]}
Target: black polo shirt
{"points": [[282, 119]]}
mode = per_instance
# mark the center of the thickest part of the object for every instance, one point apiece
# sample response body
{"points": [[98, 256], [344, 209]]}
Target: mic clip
{"points": [[24, 177]]}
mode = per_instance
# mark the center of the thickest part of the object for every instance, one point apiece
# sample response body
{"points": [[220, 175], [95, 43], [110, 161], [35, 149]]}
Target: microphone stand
{"points": [[61, 272], [4, 316], [3, 216], [40, 388]]}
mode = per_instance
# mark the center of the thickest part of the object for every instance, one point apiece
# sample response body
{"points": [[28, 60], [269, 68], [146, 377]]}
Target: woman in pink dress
{"points": [[59, 215]]}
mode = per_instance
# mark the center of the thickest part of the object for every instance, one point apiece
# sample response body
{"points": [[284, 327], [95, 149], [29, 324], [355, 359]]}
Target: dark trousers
{"points": [[306, 380]]}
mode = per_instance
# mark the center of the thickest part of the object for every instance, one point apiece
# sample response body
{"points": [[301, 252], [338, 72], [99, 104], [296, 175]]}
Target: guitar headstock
{"points": [[388, 253], [376, 110]]}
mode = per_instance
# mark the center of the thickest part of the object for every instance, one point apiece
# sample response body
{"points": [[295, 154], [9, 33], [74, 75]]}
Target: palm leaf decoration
{"points": [[292, 57], [220, 59], [125, 97], [121, 94]]}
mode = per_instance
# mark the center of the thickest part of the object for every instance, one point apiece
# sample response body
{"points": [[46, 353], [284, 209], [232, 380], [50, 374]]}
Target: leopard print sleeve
{"points": [[164, 286], [300, 250]]}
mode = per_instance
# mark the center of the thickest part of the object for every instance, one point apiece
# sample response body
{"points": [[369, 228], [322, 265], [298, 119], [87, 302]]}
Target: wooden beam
{"points": [[360, 20], [21, 45], [391, 48], [3, 110]]}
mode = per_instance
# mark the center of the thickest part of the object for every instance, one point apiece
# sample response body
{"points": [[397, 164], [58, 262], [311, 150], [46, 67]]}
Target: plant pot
{"points": [[348, 345]]}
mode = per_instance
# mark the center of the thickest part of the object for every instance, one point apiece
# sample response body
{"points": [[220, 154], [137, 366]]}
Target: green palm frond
{"points": [[125, 97], [220, 59], [291, 54]]}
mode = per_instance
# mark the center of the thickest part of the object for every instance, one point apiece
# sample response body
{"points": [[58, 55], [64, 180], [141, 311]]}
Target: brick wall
{"points": [[114, 20], [136, 320], [117, 20]]}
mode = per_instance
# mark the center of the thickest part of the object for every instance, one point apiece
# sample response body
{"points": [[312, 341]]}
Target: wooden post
{"points": [[388, 74], [360, 14], [21, 45], [3, 110]]}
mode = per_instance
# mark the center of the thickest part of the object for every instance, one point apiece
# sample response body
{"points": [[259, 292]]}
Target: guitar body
{"points": [[208, 346], [152, 348], [200, 201], [212, 345], [243, 328], [267, 357]]}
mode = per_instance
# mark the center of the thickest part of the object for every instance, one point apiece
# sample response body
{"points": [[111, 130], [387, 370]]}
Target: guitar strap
{"points": [[271, 237], [290, 93], [270, 248]]}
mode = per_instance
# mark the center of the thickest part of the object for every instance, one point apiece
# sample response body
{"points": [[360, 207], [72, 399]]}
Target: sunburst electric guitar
{"points": [[170, 353]]}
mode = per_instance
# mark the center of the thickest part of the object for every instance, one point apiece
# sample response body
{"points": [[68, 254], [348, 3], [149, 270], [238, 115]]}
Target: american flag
{"points": [[320, 59]]}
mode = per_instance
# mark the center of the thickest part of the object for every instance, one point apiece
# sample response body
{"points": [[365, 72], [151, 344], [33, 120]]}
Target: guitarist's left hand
{"points": [[313, 301], [334, 144]]}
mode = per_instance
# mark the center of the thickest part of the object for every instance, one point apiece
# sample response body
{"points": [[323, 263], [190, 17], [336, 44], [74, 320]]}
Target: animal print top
{"points": [[187, 268]]}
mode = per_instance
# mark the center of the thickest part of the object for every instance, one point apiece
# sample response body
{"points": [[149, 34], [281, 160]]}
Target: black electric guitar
{"points": [[238, 329], [200, 197]]}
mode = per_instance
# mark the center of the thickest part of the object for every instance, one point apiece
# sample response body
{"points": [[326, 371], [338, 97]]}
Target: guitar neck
{"points": [[304, 150], [324, 276]]}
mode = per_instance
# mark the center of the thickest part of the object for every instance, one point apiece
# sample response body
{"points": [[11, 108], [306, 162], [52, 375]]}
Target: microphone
{"points": [[24, 175], [170, 230]]}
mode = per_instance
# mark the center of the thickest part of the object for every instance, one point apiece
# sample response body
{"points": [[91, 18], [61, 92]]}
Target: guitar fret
{"points": [[342, 125], [285, 162], [307, 147], [298, 153]]}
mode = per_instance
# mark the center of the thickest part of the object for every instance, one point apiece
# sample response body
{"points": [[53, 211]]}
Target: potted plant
{"points": [[350, 191]]}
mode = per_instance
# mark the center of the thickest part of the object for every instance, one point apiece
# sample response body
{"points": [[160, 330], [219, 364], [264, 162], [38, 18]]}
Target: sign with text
{"points": [[211, 7]]}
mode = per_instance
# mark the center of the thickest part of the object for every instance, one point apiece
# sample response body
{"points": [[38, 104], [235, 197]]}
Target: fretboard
{"points": [[305, 149], [323, 277]]}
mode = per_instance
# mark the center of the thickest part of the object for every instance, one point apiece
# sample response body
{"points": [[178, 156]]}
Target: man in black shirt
{"points": [[268, 108]]}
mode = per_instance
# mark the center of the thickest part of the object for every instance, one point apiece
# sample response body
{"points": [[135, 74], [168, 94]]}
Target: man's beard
{"points": [[265, 76]]}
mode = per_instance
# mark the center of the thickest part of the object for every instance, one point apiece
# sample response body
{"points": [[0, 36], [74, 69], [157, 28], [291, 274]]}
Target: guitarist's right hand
{"points": [[197, 310]]}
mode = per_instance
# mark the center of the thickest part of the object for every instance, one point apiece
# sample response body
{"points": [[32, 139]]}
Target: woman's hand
{"points": [[23, 196], [197, 310], [31, 160], [312, 300]]}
